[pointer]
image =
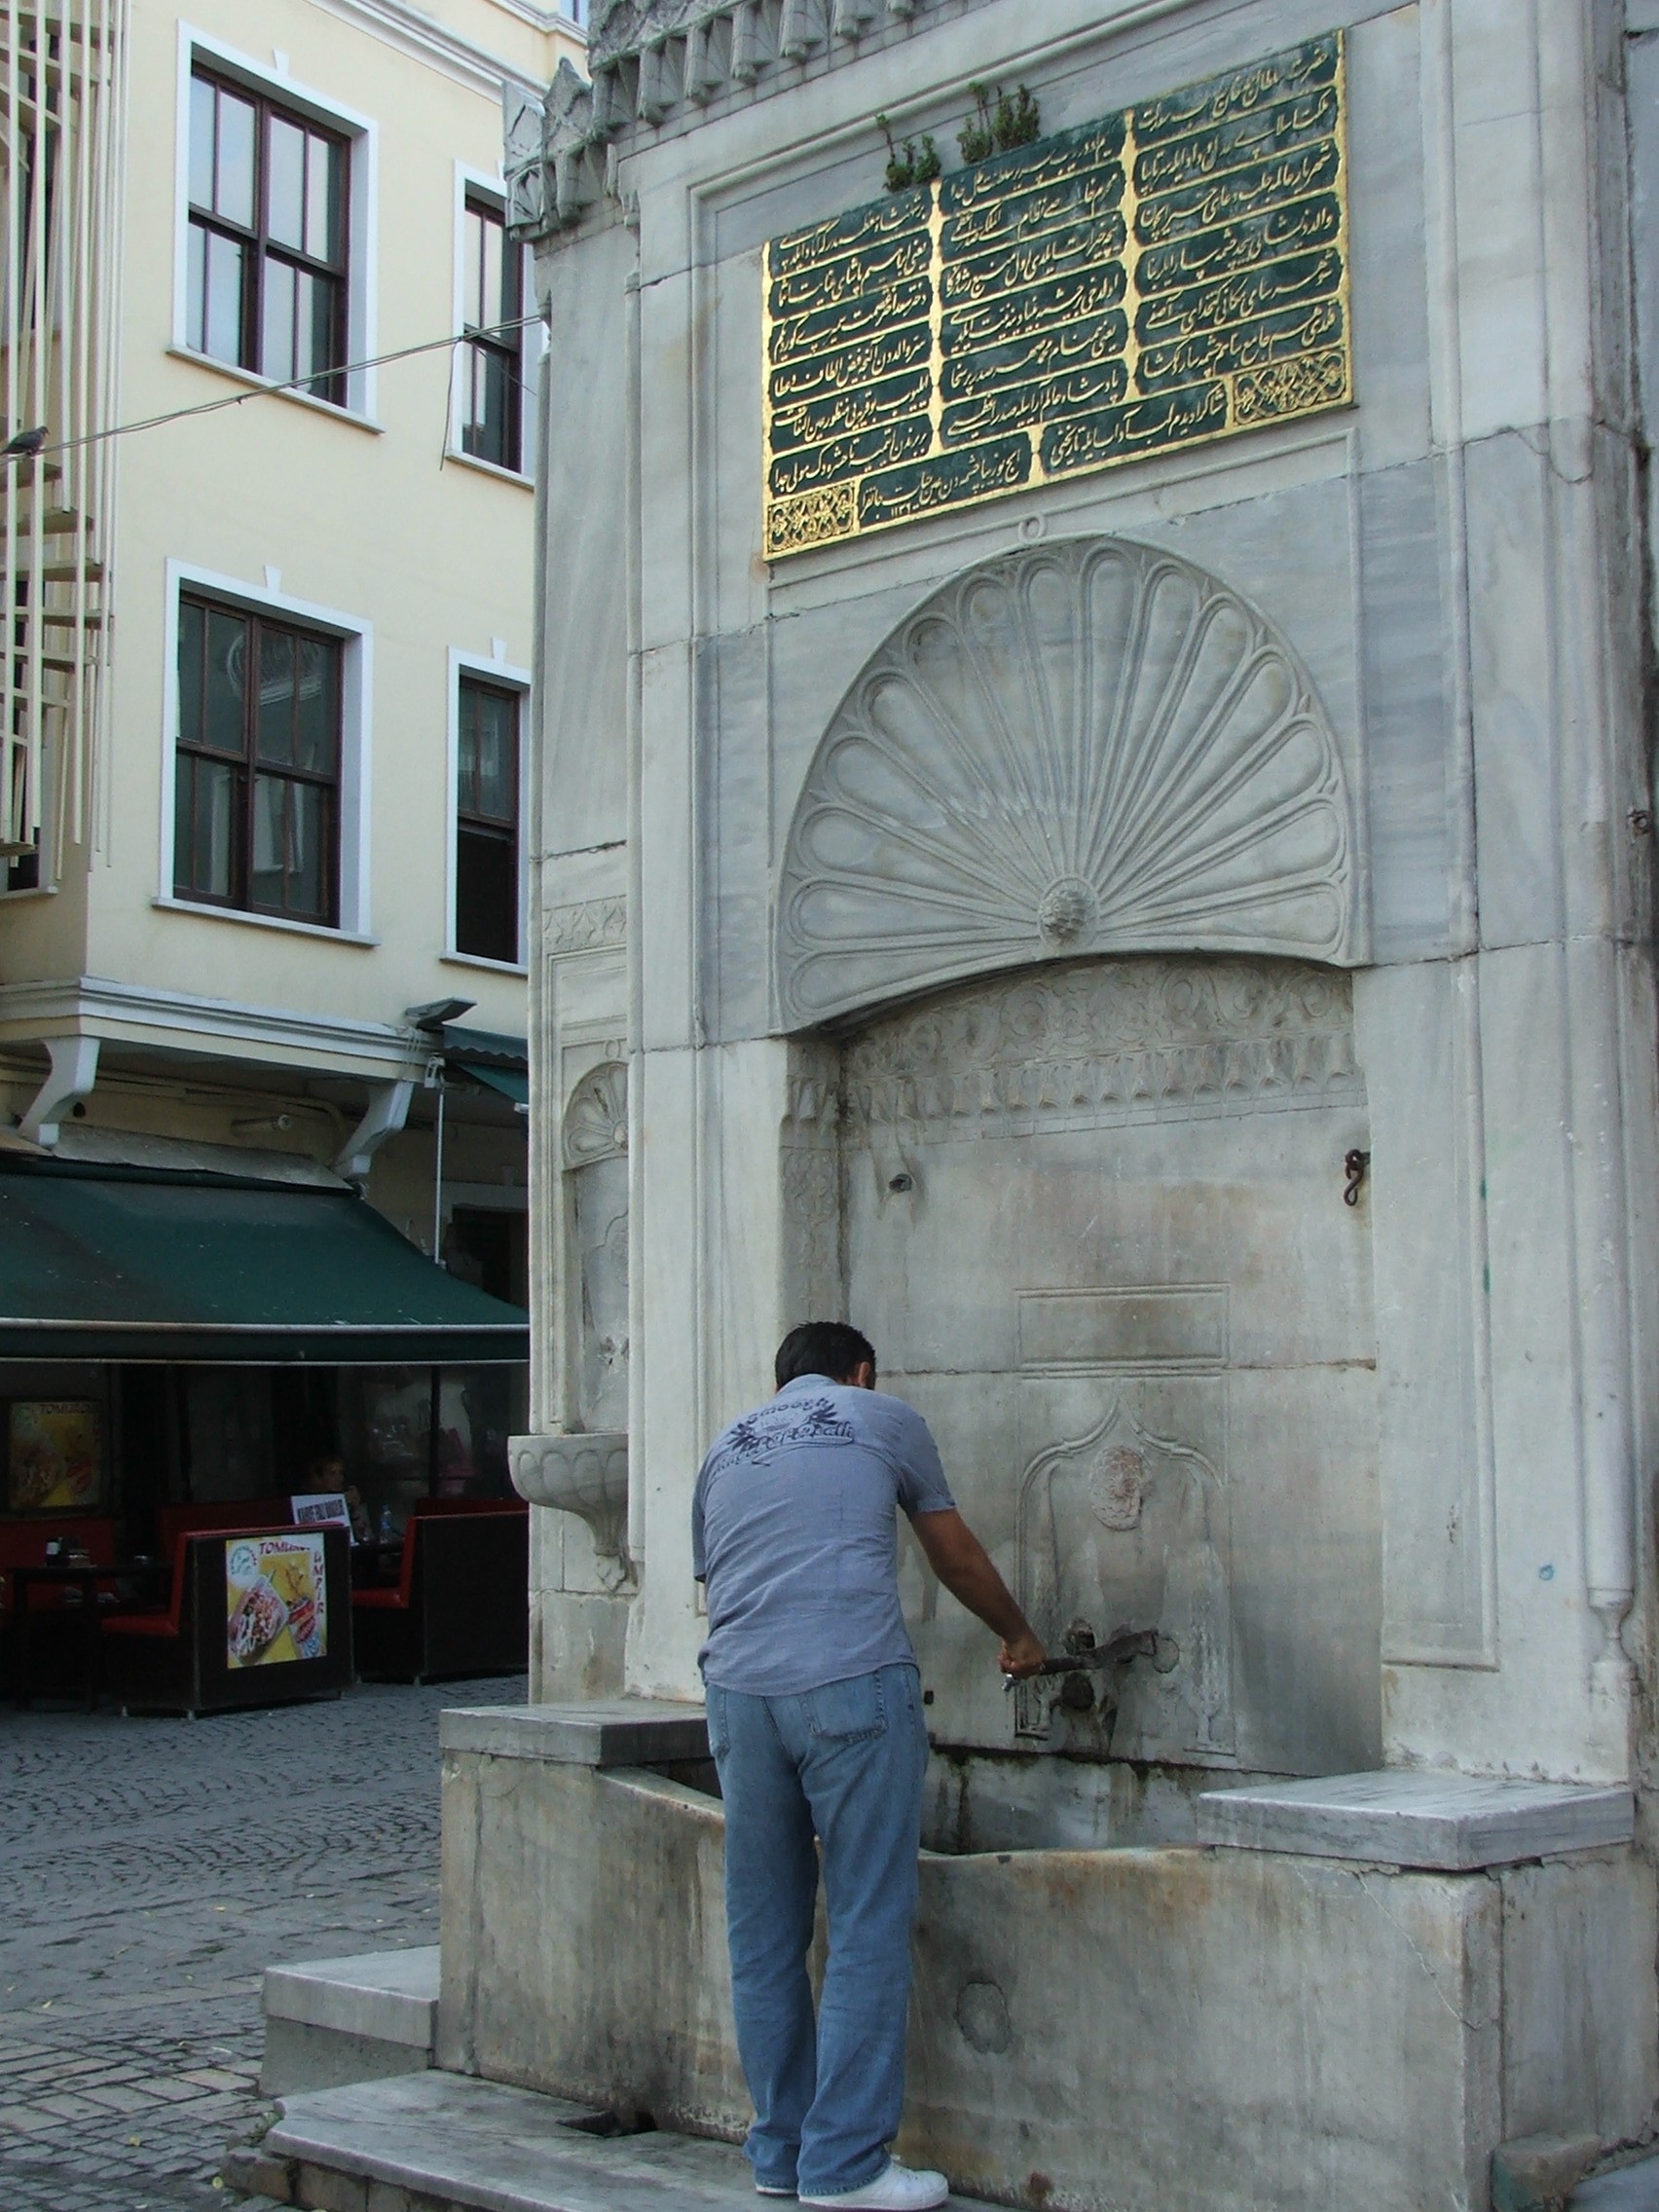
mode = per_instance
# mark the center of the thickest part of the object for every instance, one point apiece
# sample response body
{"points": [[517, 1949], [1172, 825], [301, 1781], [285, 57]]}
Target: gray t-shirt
{"points": [[792, 1531]]}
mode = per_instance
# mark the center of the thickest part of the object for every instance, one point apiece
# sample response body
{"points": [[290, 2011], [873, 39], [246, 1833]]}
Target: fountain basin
{"points": [[1162, 2027]]}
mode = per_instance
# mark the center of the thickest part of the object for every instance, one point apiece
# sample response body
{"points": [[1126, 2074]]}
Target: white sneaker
{"points": [[896, 2188]]}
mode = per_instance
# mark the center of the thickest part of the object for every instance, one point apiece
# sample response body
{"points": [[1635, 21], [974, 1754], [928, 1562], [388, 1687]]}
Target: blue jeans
{"points": [[845, 1762]]}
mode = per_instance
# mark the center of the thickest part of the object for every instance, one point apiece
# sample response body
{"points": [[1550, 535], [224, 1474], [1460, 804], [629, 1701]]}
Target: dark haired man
{"points": [[815, 1717]]}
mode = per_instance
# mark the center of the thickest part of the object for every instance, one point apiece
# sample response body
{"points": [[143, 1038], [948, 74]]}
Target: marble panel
{"points": [[1581, 2034], [1513, 691], [670, 853], [671, 336], [1417, 1029], [583, 673], [1411, 735], [1178, 1306], [1388, 281]]}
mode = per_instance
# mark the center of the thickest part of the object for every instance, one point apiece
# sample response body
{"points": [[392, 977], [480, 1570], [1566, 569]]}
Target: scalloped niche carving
{"points": [[1085, 746]]}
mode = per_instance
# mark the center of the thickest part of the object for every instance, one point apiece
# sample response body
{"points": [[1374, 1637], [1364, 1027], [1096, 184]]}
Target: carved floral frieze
{"points": [[1091, 1044]]}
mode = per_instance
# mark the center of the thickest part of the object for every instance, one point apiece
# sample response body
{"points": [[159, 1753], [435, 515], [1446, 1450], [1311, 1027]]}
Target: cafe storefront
{"points": [[194, 1348]]}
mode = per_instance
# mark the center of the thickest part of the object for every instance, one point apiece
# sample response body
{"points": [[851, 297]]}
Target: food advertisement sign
{"points": [[54, 1456], [275, 1600]]}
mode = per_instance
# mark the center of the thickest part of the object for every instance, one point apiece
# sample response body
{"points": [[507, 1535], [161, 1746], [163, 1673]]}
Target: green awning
{"points": [[508, 1081], [132, 1263]]}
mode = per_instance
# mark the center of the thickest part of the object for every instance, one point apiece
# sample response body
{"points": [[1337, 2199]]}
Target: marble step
{"points": [[332, 2021], [438, 2142]]}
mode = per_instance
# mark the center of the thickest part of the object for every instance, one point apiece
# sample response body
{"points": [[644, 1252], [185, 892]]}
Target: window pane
{"points": [[487, 429], [324, 164], [192, 636], [203, 821], [277, 696], [266, 864], [308, 875], [314, 335], [202, 102], [196, 310], [285, 182], [277, 348], [497, 777], [486, 895], [317, 740], [224, 725], [234, 197], [472, 297], [222, 310], [493, 241]]}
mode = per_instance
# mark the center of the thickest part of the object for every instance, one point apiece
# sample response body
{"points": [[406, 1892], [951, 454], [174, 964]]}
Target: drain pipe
{"points": [[435, 1079]]}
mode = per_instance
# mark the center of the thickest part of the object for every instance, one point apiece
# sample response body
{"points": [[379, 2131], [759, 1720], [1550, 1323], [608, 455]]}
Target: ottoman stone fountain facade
{"points": [[1093, 816]]}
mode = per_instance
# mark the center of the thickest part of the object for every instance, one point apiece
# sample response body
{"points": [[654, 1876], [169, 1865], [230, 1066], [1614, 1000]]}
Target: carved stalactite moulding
{"points": [[596, 1120], [1082, 746]]}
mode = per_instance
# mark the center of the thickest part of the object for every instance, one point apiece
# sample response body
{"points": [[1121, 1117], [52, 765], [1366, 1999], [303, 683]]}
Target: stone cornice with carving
{"points": [[659, 65], [589, 925]]}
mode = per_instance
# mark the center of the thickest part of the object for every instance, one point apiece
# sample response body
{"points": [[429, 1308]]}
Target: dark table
{"points": [[74, 1575]]}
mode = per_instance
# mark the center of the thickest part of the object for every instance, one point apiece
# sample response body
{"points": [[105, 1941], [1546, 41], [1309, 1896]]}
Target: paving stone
{"points": [[140, 1901]]}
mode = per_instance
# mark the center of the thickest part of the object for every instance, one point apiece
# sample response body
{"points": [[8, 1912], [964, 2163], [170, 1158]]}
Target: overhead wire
{"points": [[289, 384]]}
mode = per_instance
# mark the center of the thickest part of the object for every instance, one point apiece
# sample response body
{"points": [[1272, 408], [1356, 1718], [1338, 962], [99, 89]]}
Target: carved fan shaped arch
{"points": [[1089, 747]]}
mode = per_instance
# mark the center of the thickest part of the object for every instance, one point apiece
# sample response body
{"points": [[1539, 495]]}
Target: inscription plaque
{"points": [[1167, 275]]}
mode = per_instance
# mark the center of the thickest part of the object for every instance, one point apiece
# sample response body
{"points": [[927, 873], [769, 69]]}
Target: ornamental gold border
{"points": [[827, 515]]}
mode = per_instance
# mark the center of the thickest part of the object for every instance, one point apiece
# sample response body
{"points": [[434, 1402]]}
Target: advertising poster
{"points": [[54, 1456], [275, 1600]]}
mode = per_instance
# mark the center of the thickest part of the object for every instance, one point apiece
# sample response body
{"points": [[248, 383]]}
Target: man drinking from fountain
{"points": [[815, 1720]]}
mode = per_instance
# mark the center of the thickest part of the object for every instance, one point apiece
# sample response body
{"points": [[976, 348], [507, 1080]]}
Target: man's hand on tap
{"points": [[966, 1569]]}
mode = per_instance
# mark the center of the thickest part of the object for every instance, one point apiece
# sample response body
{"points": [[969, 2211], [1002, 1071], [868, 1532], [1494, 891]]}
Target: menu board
{"points": [[1170, 274], [275, 1600]]}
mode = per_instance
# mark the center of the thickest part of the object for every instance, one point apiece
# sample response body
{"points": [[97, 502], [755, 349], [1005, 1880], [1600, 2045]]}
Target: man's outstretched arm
{"points": [[966, 1569]]}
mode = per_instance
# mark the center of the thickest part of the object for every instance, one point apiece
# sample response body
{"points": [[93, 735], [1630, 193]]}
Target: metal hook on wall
{"points": [[1354, 1166]]}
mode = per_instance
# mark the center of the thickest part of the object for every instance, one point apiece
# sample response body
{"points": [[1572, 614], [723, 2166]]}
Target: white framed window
{"points": [[274, 249], [487, 877], [265, 785], [497, 369]]}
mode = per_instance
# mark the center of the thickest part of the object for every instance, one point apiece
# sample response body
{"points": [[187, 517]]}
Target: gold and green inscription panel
{"points": [[1161, 277]]}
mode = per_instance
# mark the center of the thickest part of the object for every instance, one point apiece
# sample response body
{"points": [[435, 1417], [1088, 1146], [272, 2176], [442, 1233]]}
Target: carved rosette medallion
{"points": [[1083, 746], [596, 1120]]}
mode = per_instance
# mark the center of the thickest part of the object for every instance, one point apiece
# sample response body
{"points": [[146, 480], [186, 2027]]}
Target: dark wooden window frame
{"points": [[250, 769], [259, 245], [471, 819], [508, 349]]}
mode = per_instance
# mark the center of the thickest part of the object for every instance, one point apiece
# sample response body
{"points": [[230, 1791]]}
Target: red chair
{"points": [[460, 1605]]}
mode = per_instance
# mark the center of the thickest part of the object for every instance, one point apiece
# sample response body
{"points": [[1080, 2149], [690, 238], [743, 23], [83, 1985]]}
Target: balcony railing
{"points": [[61, 107]]}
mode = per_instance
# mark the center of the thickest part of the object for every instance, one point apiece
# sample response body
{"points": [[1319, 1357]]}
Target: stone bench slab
{"points": [[1446, 1823], [618, 1731]]}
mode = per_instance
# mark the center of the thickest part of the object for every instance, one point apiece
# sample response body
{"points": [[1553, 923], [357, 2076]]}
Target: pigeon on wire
{"points": [[25, 444]]}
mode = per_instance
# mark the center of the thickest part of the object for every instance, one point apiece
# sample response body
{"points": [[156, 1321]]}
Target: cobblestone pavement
{"points": [[149, 1871]]}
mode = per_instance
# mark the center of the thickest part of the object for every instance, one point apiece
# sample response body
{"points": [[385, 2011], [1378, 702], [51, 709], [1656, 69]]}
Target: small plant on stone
{"points": [[928, 164], [978, 136], [901, 172], [998, 122], [1016, 122]]}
